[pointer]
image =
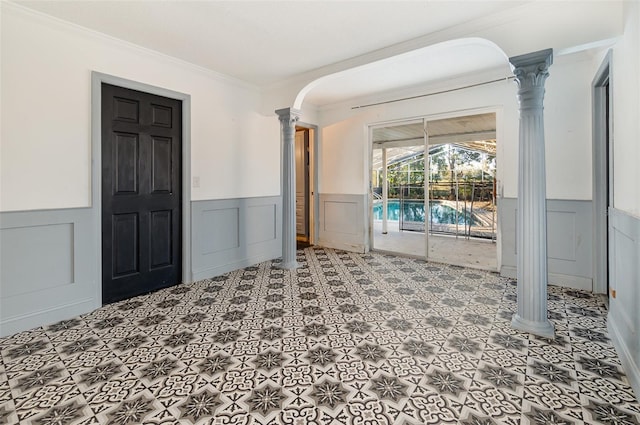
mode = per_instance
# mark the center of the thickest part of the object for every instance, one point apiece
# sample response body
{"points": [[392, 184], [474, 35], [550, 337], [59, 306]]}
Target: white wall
{"points": [[344, 137], [567, 122], [45, 139], [343, 157], [626, 114]]}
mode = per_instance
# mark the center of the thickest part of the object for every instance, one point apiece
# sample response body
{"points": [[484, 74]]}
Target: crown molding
{"points": [[11, 6]]}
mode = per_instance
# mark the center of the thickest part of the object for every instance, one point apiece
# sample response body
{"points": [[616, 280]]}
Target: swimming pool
{"points": [[414, 211]]}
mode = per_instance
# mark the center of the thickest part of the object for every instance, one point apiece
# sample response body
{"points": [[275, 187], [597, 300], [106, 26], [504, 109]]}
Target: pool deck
{"points": [[474, 253]]}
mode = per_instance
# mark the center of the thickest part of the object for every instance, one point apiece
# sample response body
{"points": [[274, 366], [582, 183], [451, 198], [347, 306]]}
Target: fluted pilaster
{"points": [[531, 72], [288, 118]]}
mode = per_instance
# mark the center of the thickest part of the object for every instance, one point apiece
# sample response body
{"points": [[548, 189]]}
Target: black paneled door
{"points": [[141, 193]]}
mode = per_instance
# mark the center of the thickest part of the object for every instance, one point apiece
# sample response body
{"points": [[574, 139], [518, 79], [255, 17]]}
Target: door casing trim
{"points": [[600, 167], [97, 78]]}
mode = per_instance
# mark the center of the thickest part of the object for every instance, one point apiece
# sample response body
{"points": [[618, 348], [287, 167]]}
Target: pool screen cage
{"points": [[466, 209]]}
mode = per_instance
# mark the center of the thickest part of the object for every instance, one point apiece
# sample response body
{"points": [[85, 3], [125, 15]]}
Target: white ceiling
{"points": [[270, 43], [264, 42]]}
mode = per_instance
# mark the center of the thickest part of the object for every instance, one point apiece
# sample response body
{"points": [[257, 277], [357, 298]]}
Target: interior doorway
{"points": [[602, 175], [306, 182], [433, 189]]}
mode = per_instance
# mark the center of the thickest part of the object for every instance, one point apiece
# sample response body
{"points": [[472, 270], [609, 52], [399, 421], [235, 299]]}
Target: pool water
{"points": [[414, 211]]}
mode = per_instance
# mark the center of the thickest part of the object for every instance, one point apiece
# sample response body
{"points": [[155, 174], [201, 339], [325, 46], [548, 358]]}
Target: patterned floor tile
{"points": [[345, 339]]}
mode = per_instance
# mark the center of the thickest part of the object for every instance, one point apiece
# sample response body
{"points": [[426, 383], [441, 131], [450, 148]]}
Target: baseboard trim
{"points": [[340, 245], [566, 281], [229, 267], [631, 368], [15, 324]]}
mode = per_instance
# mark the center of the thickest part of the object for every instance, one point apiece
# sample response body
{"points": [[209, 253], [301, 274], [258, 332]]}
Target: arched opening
{"points": [[376, 95]]}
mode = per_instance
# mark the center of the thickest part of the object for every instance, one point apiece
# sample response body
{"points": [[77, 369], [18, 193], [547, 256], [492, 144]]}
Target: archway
{"points": [[469, 61]]}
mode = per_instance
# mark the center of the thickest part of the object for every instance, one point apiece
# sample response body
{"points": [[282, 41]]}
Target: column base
{"points": [[290, 265], [544, 329]]}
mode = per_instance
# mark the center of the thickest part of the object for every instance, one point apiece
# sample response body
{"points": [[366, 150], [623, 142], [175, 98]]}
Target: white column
{"points": [[531, 72], [288, 118], [385, 191]]}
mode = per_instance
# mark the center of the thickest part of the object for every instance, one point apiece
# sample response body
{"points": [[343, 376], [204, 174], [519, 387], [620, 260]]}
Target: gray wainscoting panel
{"points": [[47, 271], [569, 241], [342, 219], [221, 230], [230, 234], [624, 278], [562, 236], [262, 224], [51, 245]]}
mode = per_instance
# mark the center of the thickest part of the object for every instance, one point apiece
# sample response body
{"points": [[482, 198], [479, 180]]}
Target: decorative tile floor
{"points": [[346, 339]]}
